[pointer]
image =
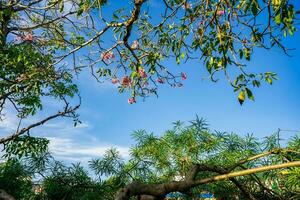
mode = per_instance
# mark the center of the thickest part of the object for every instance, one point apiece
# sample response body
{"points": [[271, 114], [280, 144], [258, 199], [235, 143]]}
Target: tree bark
{"points": [[5, 196], [160, 190]]}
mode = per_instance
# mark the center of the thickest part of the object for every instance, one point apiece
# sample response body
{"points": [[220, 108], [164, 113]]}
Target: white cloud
{"points": [[72, 150], [67, 143], [65, 126], [9, 122]]}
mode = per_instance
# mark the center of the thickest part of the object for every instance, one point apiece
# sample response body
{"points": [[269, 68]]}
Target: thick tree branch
{"points": [[160, 190], [247, 172], [5, 196], [221, 170]]}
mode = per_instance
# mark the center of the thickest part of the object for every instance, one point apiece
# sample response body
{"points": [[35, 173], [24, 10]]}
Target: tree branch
{"points": [[5, 196], [160, 190], [26, 129]]}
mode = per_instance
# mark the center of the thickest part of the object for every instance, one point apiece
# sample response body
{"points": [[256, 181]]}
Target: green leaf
{"points": [[241, 53], [269, 80], [255, 83], [255, 7], [80, 11], [247, 54], [177, 60], [182, 55], [249, 94], [242, 97], [209, 67], [278, 19]]}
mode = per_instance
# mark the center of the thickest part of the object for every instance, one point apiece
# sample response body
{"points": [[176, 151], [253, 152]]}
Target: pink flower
{"points": [[126, 81], [186, 6], [24, 37], [131, 100], [201, 23], [142, 73], [159, 80], [108, 56], [183, 76], [114, 80], [28, 37], [220, 12], [135, 45]]}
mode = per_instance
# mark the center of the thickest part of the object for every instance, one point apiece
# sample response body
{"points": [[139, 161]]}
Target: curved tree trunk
{"points": [[5, 196], [160, 190]]}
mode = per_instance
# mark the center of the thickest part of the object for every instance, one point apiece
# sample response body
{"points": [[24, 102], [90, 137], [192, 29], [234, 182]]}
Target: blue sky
{"points": [[108, 120], [275, 106]]}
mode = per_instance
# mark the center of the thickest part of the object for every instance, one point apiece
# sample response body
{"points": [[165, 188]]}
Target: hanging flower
{"points": [[114, 80], [108, 56], [131, 100], [220, 12], [28, 37], [183, 76], [126, 81], [135, 45], [159, 80], [186, 6], [142, 73]]}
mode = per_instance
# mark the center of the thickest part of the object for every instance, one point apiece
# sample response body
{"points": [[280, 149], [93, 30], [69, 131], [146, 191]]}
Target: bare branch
{"points": [[66, 111]]}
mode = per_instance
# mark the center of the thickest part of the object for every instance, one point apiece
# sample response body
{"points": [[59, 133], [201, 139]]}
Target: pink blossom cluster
{"points": [[187, 6], [114, 80], [183, 76], [135, 45], [131, 100], [26, 38], [108, 56], [220, 12], [126, 81], [160, 80], [142, 73]]}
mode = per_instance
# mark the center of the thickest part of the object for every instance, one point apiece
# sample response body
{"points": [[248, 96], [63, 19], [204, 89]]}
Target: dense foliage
{"points": [[45, 44], [161, 159]]}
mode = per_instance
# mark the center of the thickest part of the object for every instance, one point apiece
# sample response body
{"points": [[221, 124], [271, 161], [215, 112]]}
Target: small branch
{"points": [[26, 129], [247, 172], [264, 154]]}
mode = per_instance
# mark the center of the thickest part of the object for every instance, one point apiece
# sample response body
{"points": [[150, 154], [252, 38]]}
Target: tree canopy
{"points": [[45, 45], [190, 159]]}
